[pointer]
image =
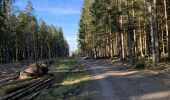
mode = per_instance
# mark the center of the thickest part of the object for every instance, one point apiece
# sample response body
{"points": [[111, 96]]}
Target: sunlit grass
{"points": [[73, 82]]}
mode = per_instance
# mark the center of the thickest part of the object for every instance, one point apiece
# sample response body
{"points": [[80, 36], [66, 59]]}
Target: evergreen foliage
{"points": [[23, 38], [125, 28]]}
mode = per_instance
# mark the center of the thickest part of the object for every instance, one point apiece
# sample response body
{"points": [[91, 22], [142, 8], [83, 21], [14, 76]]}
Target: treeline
{"points": [[23, 38], [129, 29]]}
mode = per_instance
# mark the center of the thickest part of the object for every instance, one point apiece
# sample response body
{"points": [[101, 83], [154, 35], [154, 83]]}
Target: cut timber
{"points": [[12, 82], [27, 90], [40, 89], [30, 90], [9, 78], [37, 69], [12, 88]]}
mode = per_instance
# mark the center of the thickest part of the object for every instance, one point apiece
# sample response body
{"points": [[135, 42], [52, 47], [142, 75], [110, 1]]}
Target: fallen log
{"points": [[12, 88], [23, 91], [30, 90], [13, 77], [39, 89], [16, 81]]}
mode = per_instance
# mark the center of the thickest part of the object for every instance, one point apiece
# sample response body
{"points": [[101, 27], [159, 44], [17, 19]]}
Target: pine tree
{"points": [[125, 28], [85, 29], [23, 39]]}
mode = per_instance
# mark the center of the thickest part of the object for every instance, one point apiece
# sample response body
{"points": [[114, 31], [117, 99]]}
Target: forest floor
{"points": [[100, 79], [10, 69], [71, 79], [116, 81], [73, 82]]}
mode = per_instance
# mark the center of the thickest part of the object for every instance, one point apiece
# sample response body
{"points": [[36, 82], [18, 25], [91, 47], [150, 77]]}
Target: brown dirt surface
{"points": [[111, 82]]}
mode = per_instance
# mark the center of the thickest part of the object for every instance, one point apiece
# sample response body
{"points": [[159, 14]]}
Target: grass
{"points": [[72, 82]]}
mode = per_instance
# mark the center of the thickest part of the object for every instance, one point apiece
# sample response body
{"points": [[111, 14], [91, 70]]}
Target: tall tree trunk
{"points": [[147, 40], [163, 42], [0, 52], [28, 49], [140, 39], [134, 32], [167, 28], [116, 44], [119, 30], [156, 32], [123, 47], [34, 46], [49, 51], [16, 52], [152, 36], [129, 33], [41, 51]]}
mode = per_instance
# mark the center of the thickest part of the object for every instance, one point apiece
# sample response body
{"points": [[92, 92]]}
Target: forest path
{"points": [[109, 82]]}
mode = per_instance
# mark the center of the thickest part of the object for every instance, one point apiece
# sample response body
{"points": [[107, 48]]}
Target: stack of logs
{"points": [[27, 84]]}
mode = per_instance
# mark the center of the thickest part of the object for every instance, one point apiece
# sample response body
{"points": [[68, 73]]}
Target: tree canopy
{"points": [[24, 38], [128, 29]]}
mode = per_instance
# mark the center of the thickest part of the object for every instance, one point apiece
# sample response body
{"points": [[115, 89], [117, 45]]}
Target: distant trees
{"points": [[23, 38], [130, 29]]}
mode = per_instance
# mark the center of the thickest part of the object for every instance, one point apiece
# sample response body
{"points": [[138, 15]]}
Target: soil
{"points": [[110, 82]]}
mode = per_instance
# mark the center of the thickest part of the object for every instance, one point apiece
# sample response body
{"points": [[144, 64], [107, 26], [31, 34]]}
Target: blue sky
{"points": [[64, 13]]}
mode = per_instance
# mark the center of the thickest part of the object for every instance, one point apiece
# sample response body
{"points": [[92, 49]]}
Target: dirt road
{"points": [[108, 82]]}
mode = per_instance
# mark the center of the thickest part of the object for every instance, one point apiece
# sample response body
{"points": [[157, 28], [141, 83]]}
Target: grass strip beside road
{"points": [[72, 82]]}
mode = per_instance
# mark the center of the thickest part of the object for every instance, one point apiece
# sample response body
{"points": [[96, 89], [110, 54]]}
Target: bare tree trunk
{"points": [[111, 45], [41, 51], [167, 28], [1, 53], [163, 43], [34, 46], [16, 52], [134, 33], [129, 34], [123, 49], [49, 51], [119, 30], [116, 44], [28, 49], [147, 40], [152, 37], [156, 32], [23, 53], [140, 38]]}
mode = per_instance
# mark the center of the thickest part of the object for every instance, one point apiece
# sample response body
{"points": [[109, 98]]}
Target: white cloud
{"points": [[58, 11]]}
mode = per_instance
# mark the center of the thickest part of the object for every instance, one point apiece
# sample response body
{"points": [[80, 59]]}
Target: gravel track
{"points": [[109, 82]]}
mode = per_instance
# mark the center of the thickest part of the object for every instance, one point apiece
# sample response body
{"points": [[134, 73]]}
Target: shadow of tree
{"points": [[105, 78]]}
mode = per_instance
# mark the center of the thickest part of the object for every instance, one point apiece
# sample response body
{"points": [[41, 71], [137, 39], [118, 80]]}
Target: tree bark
{"points": [[119, 30], [140, 39], [129, 34], [152, 36], [156, 32], [167, 28], [134, 32]]}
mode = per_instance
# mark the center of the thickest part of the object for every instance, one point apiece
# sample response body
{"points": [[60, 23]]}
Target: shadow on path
{"points": [[108, 82]]}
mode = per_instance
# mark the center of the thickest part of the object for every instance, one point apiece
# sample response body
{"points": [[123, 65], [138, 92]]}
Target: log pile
{"points": [[27, 88], [35, 70]]}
